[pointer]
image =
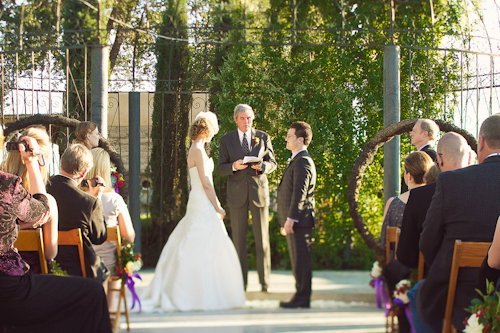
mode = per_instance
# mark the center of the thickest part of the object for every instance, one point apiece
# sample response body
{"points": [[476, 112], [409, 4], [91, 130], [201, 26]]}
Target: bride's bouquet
{"points": [[127, 266]]}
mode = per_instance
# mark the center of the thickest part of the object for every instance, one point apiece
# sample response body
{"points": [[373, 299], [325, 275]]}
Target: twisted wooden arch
{"points": [[366, 157], [44, 119]]}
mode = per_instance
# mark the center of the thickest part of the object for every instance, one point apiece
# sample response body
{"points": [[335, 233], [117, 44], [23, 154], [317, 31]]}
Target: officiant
{"points": [[247, 188]]}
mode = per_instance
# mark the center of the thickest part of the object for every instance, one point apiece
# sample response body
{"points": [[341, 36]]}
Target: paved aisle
{"points": [[342, 301], [362, 319]]}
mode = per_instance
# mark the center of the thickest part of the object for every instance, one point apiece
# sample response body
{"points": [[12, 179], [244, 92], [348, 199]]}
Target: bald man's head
{"points": [[453, 152]]}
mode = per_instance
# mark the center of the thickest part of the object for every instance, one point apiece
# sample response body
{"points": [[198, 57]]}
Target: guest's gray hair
{"points": [[245, 108], [76, 159], [490, 131], [430, 127]]}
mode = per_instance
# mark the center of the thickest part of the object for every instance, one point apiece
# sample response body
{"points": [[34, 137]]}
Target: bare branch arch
{"points": [[366, 157]]}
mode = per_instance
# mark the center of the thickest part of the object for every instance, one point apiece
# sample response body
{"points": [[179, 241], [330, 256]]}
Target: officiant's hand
{"points": [[288, 228], [238, 165], [257, 166]]}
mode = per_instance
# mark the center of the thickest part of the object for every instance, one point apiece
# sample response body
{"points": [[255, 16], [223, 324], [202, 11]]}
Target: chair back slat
{"points": [[392, 236], [73, 237], [465, 254], [32, 240], [421, 266], [115, 236]]}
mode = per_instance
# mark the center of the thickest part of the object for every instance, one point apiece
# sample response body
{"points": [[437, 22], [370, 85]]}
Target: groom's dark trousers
{"points": [[248, 189]]}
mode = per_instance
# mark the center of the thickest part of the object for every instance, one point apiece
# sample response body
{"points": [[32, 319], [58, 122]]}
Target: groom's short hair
{"points": [[245, 108], [303, 130]]}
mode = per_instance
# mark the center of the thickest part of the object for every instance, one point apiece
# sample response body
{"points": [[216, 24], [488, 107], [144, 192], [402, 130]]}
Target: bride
{"points": [[198, 268]]}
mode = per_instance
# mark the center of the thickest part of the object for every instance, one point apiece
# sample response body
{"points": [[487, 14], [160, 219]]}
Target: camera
{"points": [[13, 146], [94, 181]]}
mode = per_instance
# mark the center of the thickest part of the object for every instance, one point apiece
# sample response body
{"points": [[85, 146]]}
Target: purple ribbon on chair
{"points": [[379, 286], [130, 284], [402, 305]]}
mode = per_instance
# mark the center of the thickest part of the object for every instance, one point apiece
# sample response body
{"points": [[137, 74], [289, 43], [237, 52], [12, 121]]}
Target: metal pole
{"points": [[134, 162], [392, 112], [99, 93]]}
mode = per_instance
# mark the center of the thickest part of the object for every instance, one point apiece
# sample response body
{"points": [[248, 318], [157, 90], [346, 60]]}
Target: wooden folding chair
{"points": [[421, 266], [114, 235], [32, 240], [466, 254], [73, 237], [392, 236]]}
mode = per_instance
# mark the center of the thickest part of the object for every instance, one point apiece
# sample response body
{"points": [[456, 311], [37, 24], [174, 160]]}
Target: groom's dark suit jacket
{"points": [[296, 191], [78, 209], [465, 206]]}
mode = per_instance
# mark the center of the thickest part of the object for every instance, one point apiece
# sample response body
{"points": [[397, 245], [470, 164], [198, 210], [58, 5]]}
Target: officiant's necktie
{"points": [[244, 144]]}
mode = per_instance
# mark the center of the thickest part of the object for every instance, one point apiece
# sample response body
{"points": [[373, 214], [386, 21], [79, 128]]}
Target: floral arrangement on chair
{"points": [[400, 299], [127, 266], [55, 268], [116, 180], [485, 313], [378, 282]]}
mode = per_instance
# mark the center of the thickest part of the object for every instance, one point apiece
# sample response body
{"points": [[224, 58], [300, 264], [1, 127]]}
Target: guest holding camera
{"points": [[41, 302], [79, 209], [15, 165]]}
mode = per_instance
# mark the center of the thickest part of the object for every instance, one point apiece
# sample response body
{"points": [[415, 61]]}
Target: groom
{"points": [[247, 188], [296, 210]]}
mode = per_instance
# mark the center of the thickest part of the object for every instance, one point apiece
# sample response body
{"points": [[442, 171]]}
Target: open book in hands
{"points": [[251, 160]]}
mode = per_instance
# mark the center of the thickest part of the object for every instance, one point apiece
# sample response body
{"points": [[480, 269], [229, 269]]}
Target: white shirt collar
{"points": [[494, 154], [69, 178], [248, 133], [420, 149], [297, 152]]}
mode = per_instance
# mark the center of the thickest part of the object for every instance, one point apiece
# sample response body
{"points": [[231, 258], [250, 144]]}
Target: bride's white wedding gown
{"points": [[198, 267]]}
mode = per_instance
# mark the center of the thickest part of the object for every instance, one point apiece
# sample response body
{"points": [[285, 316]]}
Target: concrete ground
{"points": [[342, 301]]}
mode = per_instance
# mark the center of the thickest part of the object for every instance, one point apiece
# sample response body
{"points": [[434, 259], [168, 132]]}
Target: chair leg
{"points": [[123, 293], [117, 313]]}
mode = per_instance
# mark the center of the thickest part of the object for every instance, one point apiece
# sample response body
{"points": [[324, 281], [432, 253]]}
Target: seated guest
{"points": [[79, 209], [416, 165], [422, 135], [41, 302], [453, 153], [465, 206], [115, 213], [14, 165], [87, 134]]}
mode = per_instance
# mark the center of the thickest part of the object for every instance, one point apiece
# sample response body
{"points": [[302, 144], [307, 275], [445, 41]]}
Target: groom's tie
{"points": [[244, 145]]}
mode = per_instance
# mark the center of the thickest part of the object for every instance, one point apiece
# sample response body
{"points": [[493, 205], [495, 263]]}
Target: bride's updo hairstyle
{"points": [[204, 126]]}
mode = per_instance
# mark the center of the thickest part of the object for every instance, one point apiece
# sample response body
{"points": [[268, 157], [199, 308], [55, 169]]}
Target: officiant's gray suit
{"points": [[248, 189], [465, 206]]}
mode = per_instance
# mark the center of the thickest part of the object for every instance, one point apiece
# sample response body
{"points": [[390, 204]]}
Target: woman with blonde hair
{"points": [[14, 165], [115, 213], [87, 134]]}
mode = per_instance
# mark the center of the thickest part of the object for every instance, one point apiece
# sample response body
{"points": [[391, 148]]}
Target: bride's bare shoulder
{"points": [[195, 156]]}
